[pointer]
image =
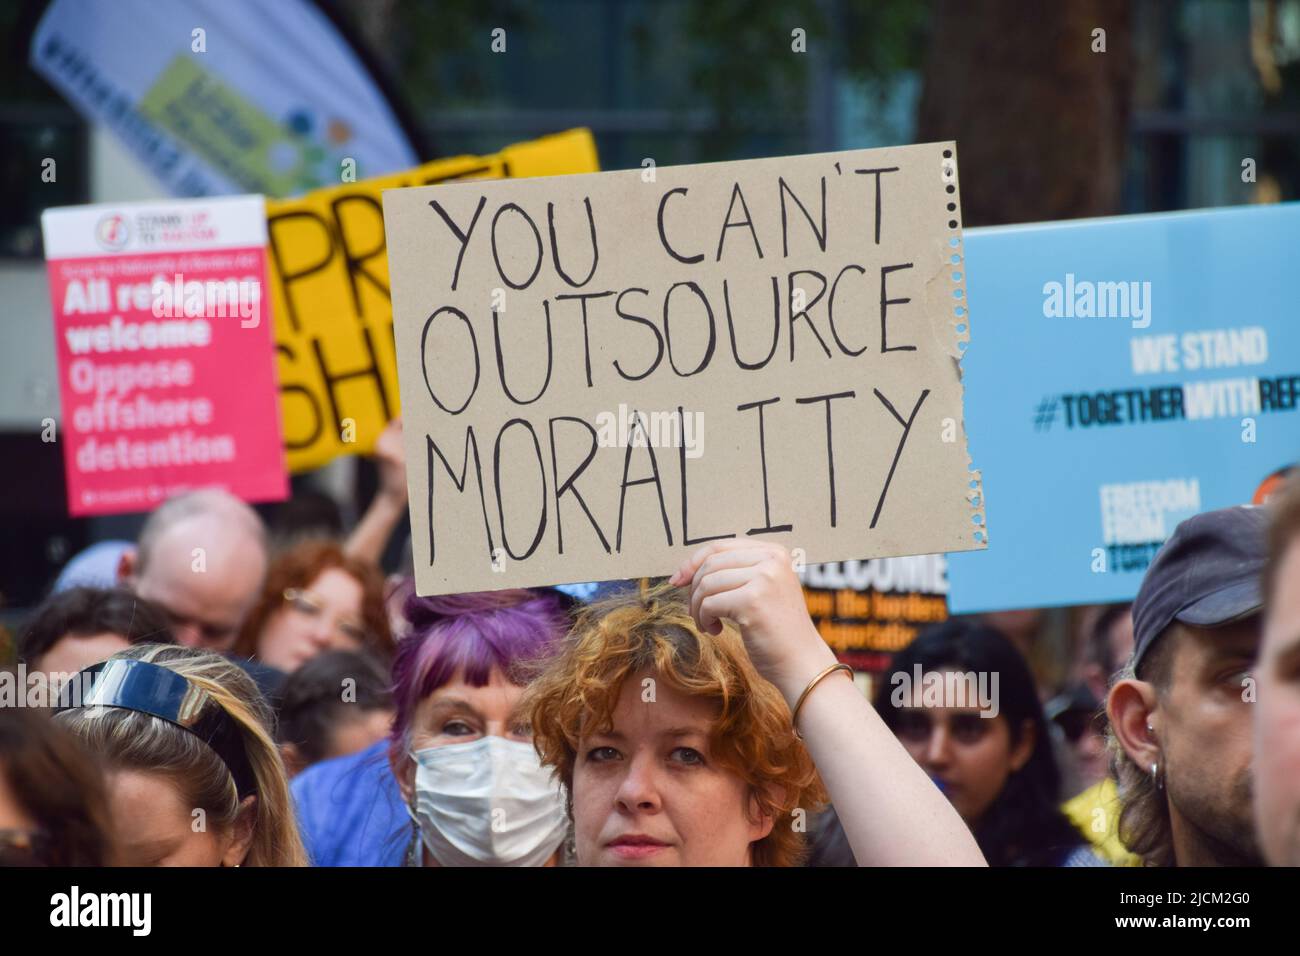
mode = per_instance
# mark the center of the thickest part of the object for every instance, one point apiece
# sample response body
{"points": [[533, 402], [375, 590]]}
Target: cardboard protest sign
{"points": [[1141, 369], [867, 611], [329, 285], [600, 372], [166, 371]]}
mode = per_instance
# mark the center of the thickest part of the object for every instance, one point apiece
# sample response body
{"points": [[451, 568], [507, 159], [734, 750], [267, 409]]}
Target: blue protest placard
{"points": [[1124, 374]]}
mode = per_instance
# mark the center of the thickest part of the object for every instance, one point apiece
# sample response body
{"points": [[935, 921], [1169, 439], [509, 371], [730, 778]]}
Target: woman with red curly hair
{"points": [[316, 598], [684, 739]]}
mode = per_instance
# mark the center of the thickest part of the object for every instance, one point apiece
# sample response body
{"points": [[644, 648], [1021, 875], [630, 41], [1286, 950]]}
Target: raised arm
{"points": [[388, 508], [891, 812]]}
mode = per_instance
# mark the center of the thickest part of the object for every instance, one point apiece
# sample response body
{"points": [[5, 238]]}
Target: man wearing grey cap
{"points": [[1181, 713]]}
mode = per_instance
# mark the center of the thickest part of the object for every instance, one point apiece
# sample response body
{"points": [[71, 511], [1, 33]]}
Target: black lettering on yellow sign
{"points": [[328, 270]]}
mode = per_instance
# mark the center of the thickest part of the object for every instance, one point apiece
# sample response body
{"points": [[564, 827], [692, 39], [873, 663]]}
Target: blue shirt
{"points": [[350, 810]]}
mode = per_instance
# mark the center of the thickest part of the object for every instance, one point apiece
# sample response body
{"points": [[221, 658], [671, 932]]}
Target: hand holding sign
{"points": [[753, 583], [878, 790]]}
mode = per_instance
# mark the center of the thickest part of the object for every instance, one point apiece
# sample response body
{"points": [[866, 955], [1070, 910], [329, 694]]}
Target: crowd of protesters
{"points": [[223, 698]]}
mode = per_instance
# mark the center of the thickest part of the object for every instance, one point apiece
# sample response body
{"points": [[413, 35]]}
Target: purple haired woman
{"points": [[460, 750], [459, 763]]}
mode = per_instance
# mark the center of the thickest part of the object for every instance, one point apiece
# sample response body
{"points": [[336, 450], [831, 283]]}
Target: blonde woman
{"points": [[194, 776]]}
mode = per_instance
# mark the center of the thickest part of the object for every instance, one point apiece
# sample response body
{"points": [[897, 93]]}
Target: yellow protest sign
{"points": [[328, 268]]}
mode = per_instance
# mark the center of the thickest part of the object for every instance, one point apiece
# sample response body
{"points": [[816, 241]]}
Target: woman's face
{"points": [[153, 825], [324, 616], [968, 755], [650, 792], [72, 652], [1089, 749], [458, 713]]}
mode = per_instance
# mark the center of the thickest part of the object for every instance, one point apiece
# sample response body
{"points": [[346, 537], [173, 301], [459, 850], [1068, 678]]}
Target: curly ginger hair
{"points": [[652, 629]]}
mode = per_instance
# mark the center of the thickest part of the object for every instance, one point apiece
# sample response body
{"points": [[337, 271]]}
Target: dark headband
{"points": [[161, 692]]}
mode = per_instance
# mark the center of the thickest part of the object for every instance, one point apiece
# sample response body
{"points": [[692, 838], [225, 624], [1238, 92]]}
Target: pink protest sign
{"points": [[166, 359]]}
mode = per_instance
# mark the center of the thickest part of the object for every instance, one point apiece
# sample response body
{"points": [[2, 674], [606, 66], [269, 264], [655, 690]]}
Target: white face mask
{"points": [[487, 803]]}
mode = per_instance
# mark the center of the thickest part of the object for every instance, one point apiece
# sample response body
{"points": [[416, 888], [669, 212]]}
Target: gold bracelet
{"points": [[794, 714]]}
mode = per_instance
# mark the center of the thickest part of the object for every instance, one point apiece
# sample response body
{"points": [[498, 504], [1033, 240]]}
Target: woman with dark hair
{"points": [[962, 701], [53, 808], [336, 704], [316, 598], [82, 626]]}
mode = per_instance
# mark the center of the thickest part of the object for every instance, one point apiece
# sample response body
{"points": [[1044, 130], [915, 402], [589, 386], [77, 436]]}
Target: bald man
{"points": [[201, 557]]}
